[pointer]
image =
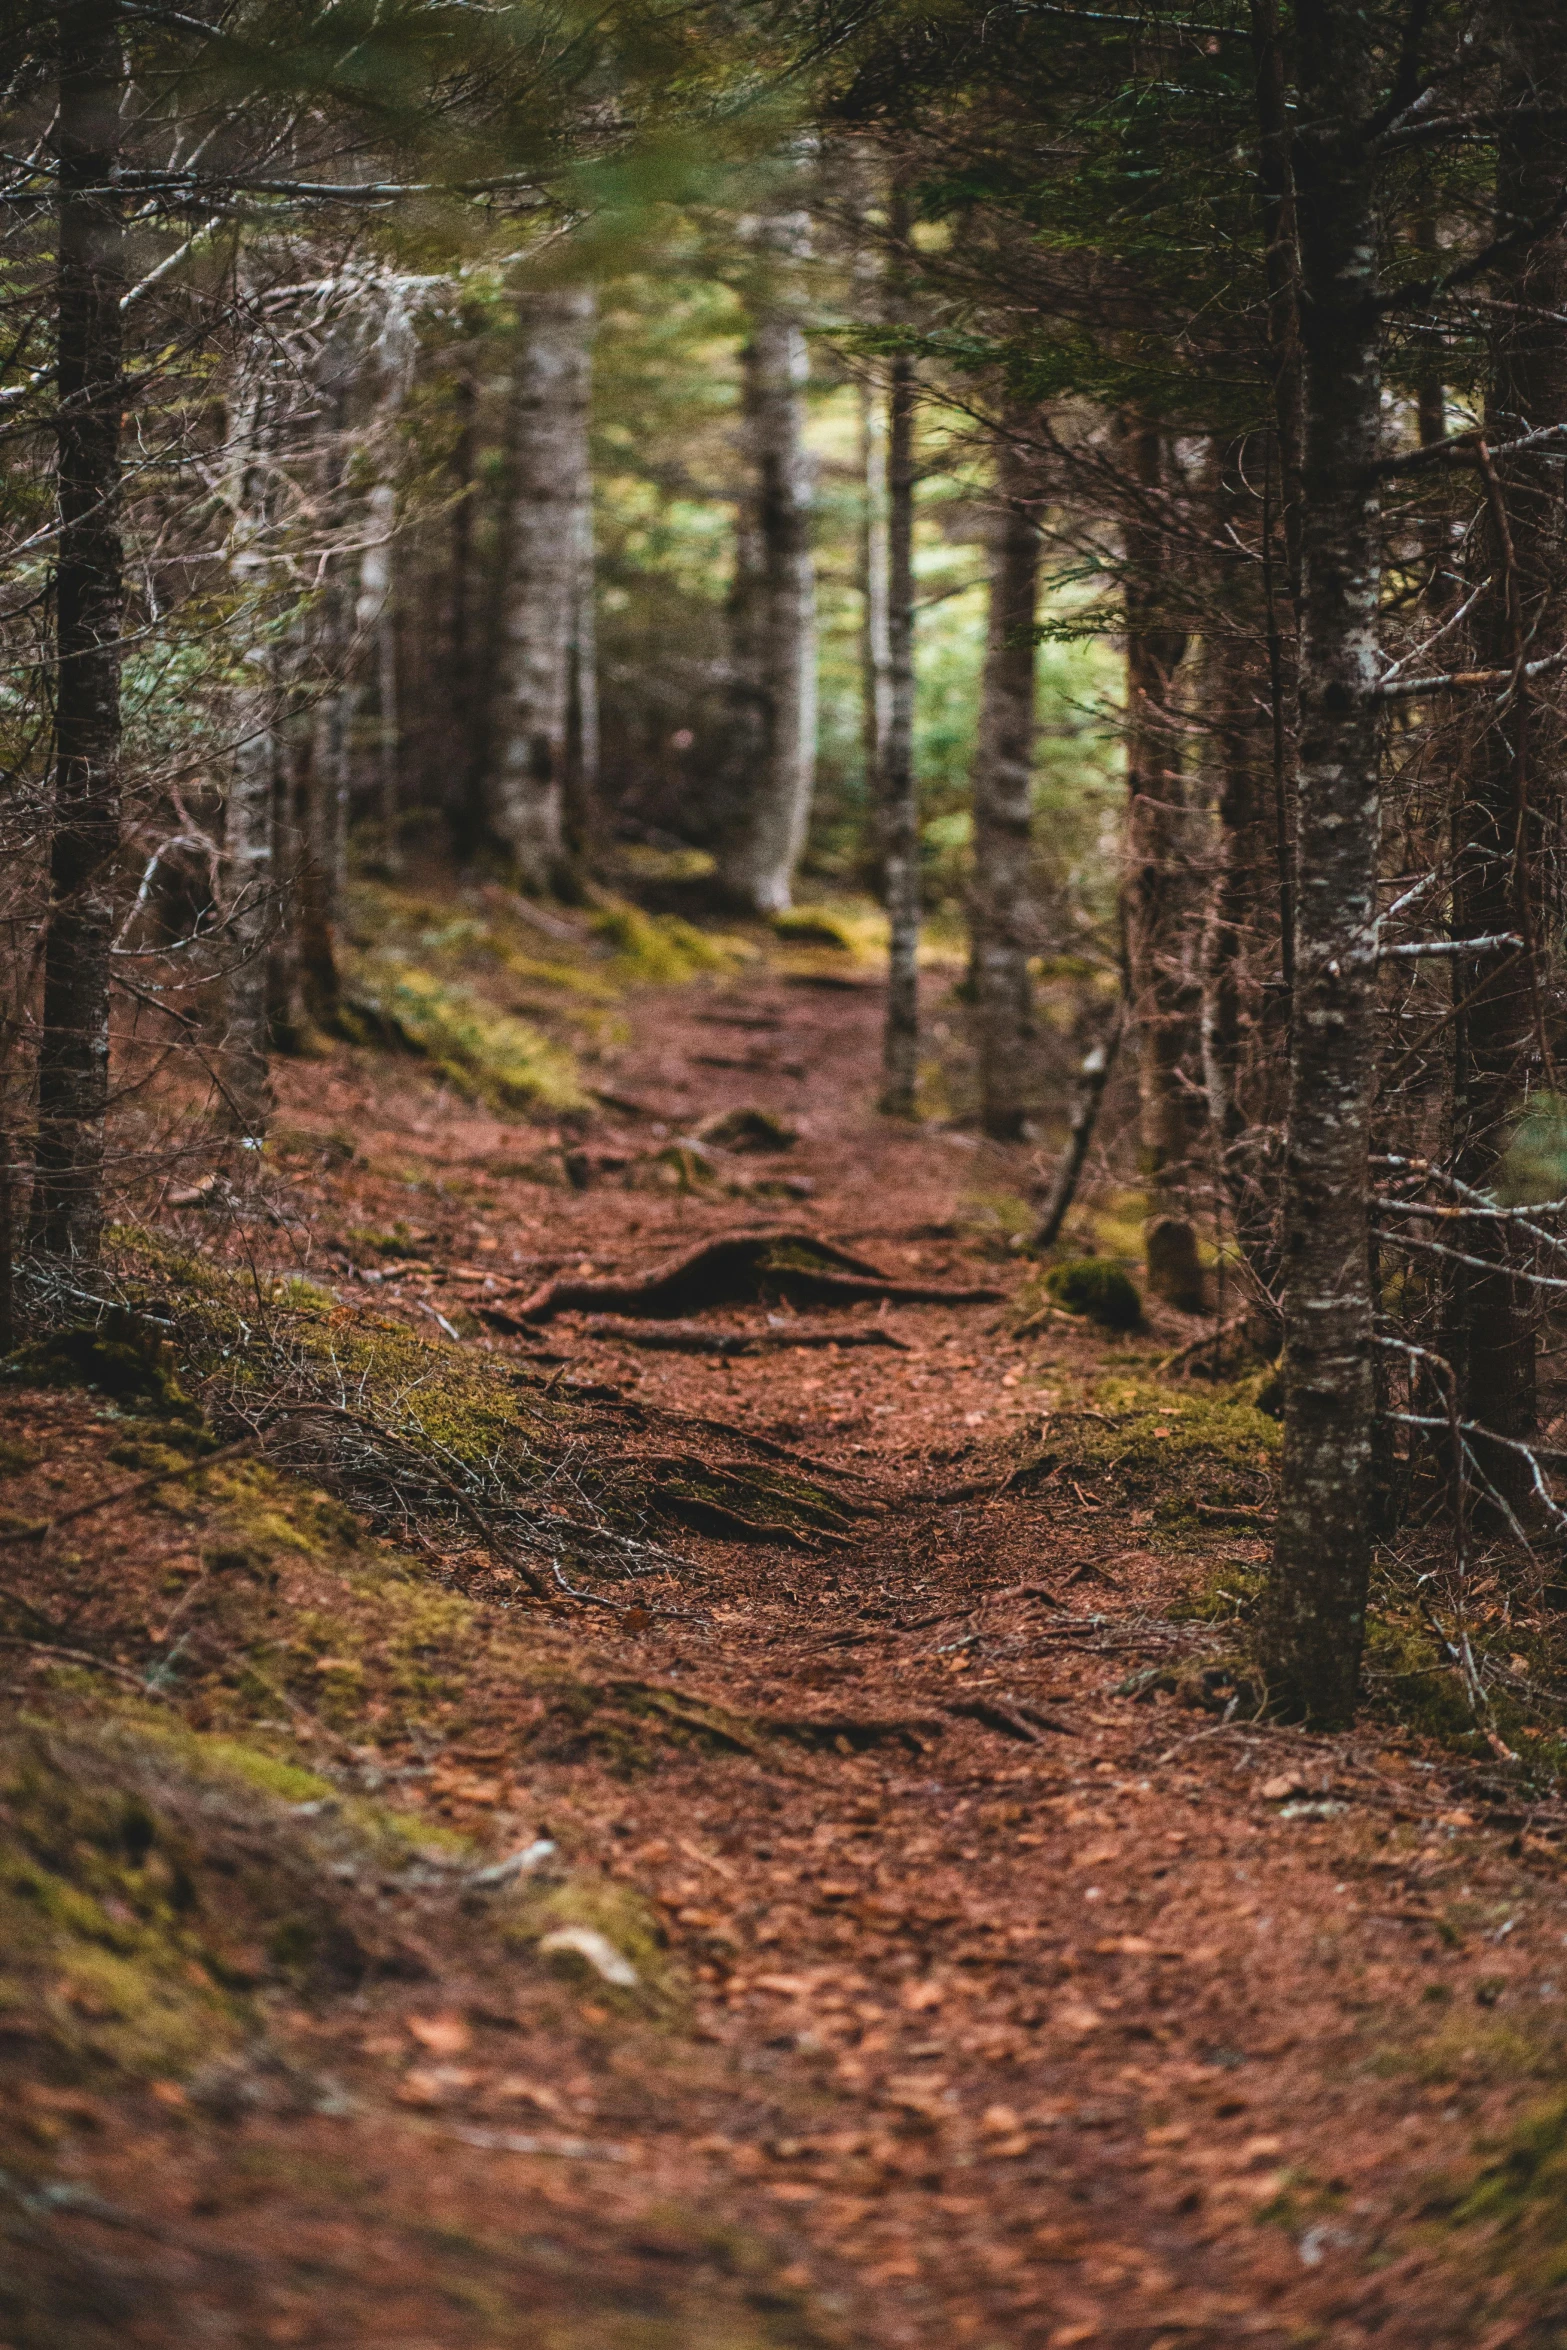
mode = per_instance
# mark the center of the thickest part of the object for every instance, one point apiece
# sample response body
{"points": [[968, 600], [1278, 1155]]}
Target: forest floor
{"points": [[970, 1994]]}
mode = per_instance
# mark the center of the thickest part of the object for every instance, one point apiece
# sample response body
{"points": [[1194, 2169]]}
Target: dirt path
{"points": [[1021, 2013]]}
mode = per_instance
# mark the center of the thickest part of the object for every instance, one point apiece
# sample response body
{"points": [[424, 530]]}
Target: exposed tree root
{"points": [[744, 1268], [694, 1338]]}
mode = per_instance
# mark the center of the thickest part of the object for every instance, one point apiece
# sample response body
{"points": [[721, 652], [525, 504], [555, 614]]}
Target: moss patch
{"points": [[1098, 1290], [662, 949], [492, 1055], [150, 1883]]}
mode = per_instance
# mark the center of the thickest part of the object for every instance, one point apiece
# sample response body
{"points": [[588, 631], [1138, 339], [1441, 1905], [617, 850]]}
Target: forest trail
{"points": [[1014, 2007]]}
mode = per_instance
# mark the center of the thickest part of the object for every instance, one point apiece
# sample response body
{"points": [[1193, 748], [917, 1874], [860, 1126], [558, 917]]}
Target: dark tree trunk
{"points": [[900, 822], [1511, 786], [1314, 1620], [73, 1058], [1003, 803], [1156, 848]]}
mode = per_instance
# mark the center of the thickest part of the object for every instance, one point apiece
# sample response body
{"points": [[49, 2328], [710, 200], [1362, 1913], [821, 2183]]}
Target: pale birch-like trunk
{"points": [[583, 815], [1002, 902], [875, 644], [1313, 1624], [1510, 791], [375, 622], [73, 1053], [528, 768], [774, 608]]}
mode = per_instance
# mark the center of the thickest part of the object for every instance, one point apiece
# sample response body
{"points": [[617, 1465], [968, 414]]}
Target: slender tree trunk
{"points": [[1092, 1079], [1314, 1621], [1155, 846], [73, 1057], [775, 651], [1281, 265], [900, 818], [584, 817], [248, 850], [1511, 787], [464, 818], [375, 620], [1003, 801], [527, 782], [875, 644], [1234, 1045]]}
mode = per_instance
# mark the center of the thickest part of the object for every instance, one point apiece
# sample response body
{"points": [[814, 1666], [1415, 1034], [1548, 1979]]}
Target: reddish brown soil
{"points": [[1016, 2041]]}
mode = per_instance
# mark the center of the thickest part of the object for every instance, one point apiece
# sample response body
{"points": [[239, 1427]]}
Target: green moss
{"points": [[813, 926], [504, 1061], [1520, 2198], [121, 1356], [1098, 1290], [661, 949], [17, 1459], [627, 1922]]}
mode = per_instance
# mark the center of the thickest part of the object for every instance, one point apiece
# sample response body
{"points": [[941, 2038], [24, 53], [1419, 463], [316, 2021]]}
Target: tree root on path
{"points": [[744, 1268], [695, 1338]]}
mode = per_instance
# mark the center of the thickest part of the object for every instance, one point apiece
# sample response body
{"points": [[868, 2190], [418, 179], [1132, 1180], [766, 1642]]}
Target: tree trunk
{"points": [[1235, 1058], [1156, 846], [1314, 1619], [875, 646], [73, 1056], [900, 817], [584, 818], [248, 851], [1003, 802], [375, 622], [775, 651], [1510, 791], [527, 782]]}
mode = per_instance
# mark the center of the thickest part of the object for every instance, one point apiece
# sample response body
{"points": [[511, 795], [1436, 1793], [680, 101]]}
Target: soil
{"points": [[1009, 2009]]}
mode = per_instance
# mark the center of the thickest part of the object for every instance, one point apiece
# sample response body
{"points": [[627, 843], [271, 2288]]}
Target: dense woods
{"points": [[1062, 509], [1238, 382]]}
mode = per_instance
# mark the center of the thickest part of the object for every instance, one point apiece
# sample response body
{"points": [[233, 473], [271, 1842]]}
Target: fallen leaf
{"points": [[432, 2084], [1281, 1788], [786, 1986], [919, 1997], [517, 2091], [443, 2035], [1074, 2015], [998, 2121], [1094, 1855]]}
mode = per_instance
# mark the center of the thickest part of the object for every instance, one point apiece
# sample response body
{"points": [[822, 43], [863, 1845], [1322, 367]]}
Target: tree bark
{"points": [[775, 604], [375, 621], [584, 817], [900, 817], [875, 647], [1155, 843], [248, 852], [1002, 913], [1510, 791], [1314, 1615], [527, 783], [73, 1057]]}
